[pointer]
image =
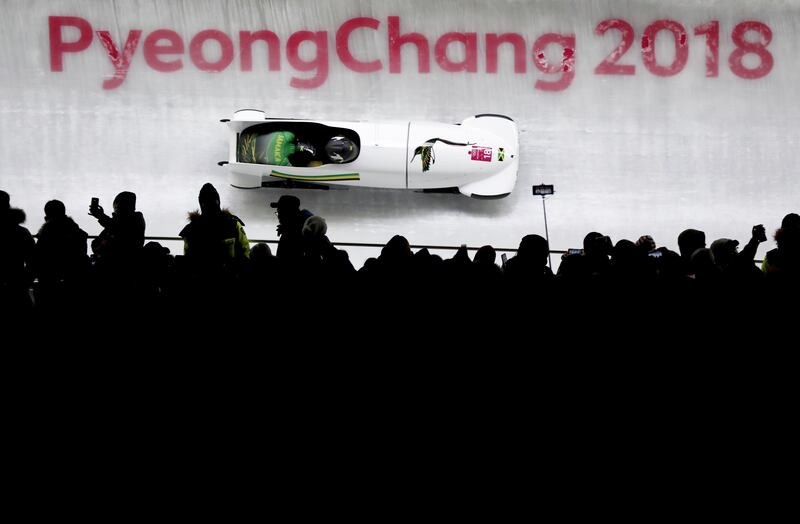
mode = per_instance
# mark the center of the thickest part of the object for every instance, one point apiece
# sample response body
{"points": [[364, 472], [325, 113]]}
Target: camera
{"points": [[759, 233], [655, 253], [574, 251], [95, 203]]}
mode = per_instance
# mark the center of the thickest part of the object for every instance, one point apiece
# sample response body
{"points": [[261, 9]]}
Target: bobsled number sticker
{"points": [[482, 154]]}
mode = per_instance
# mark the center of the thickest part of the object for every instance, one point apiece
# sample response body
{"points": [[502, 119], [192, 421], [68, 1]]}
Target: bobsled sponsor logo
{"points": [[426, 154], [552, 54], [482, 154]]}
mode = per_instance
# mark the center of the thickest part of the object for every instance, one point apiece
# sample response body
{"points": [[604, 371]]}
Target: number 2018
{"points": [[710, 30]]}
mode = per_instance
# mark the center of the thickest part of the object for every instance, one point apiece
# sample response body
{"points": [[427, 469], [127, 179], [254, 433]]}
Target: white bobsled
{"points": [[479, 156]]}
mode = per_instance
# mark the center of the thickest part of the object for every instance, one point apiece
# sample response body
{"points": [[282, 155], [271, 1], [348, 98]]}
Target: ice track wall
{"points": [[647, 116]]}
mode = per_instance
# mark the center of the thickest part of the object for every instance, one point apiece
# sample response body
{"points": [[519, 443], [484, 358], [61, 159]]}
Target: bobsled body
{"points": [[479, 156]]}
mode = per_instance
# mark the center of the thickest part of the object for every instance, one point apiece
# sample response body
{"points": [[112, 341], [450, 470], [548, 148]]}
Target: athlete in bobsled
{"points": [[284, 148]]}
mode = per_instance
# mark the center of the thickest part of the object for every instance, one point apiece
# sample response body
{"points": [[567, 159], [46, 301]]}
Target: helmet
{"points": [[341, 149]]}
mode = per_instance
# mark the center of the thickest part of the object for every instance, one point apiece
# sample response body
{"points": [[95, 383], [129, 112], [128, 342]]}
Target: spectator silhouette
{"points": [[427, 270], [689, 241], [791, 220], [395, 264], [290, 228], [528, 268], [214, 238], [391, 279], [458, 269], [782, 264], [216, 249], [261, 255], [486, 256], [260, 277], [662, 264], [739, 267], [60, 259], [324, 267], [646, 243], [15, 259], [122, 237], [630, 264], [703, 268], [396, 252], [591, 266], [157, 277], [485, 275], [116, 252]]}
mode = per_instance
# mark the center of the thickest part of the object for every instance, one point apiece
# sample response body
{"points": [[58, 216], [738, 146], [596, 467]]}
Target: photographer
{"points": [[737, 265], [592, 265], [122, 237]]}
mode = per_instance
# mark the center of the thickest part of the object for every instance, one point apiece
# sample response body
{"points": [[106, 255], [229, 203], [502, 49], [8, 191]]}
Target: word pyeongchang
{"points": [[164, 51]]}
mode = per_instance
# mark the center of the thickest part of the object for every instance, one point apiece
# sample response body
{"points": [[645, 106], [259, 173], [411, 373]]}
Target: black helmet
{"points": [[341, 149]]}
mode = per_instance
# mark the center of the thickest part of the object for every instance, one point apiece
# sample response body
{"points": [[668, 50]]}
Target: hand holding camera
{"points": [[759, 233], [95, 209]]}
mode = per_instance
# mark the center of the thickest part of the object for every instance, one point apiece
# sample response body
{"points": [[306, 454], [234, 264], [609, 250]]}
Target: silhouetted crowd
{"points": [[220, 274]]}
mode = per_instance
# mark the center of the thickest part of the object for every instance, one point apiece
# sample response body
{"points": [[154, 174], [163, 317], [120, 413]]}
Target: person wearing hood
{"points": [[15, 257], [214, 236]]}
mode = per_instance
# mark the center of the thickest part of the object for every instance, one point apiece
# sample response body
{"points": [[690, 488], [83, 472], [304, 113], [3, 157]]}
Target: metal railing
{"points": [[380, 246], [363, 244]]}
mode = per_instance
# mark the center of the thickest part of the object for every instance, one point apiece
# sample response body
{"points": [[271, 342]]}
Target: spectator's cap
{"points": [[724, 244], [791, 220], [208, 193], [287, 202]]}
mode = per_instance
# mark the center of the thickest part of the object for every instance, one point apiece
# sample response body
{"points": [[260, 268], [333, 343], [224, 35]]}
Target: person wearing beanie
{"points": [[214, 237]]}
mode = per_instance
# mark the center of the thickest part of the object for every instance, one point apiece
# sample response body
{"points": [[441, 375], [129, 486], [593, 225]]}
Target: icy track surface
{"points": [[642, 121]]}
